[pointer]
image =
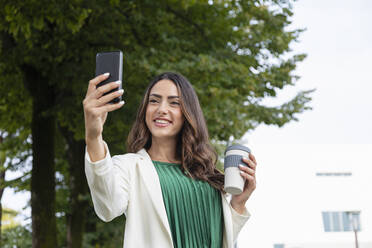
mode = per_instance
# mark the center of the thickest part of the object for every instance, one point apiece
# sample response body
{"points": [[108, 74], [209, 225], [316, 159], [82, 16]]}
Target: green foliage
{"points": [[8, 218], [14, 156], [232, 52], [16, 237], [104, 235], [235, 53]]}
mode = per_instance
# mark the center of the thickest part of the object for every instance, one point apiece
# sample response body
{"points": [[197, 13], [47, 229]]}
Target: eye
{"points": [[153, 101], [175, 103]]}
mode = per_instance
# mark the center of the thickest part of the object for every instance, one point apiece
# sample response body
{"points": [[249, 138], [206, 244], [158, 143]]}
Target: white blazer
{"points": [[129, 184]]}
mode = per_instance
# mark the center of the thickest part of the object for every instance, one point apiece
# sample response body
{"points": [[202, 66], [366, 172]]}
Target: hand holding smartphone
{"points": [[95, 104], [111, 62]]}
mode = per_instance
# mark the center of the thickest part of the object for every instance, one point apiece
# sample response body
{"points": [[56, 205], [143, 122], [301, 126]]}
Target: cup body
{"points": [[234, 182]]}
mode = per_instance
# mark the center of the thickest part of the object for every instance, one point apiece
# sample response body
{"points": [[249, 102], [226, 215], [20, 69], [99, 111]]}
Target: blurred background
{"points": [[313, 181], [288, 78]]}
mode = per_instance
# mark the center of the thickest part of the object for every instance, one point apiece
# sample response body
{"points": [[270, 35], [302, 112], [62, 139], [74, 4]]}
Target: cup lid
{"points": [[238, 147]]}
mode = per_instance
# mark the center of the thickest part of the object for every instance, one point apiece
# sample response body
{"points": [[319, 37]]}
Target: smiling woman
{"points": [[164, 116], [168, 185], [170, 118]]}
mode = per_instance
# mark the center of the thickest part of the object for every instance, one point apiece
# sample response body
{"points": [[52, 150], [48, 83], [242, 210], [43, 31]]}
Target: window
{"points": [[341, 221], [334, 174], [278, 245]]}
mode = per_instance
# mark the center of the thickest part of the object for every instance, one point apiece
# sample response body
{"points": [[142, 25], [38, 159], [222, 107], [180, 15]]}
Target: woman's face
{"points": [[164, 117]]}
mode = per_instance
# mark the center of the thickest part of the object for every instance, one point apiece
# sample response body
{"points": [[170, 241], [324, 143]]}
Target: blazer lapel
{"points": [[152, 183], [227, 221]]}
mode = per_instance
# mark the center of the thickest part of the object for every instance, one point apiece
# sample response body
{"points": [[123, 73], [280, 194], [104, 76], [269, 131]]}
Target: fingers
{"points": [[247, 170], [93, 83], [250, 181], [95, 103], [107, 98], [112, 107], [250, 178], [250, 163], [248, 174], [100, 91], [95, 98], [252, 158]]}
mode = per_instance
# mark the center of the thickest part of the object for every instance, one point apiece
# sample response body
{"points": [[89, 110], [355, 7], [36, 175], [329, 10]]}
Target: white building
{"points": [[304, 193]]}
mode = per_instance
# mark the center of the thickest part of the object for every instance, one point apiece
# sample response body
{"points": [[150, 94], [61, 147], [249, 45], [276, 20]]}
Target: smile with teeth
{"points": [[162, 121]]}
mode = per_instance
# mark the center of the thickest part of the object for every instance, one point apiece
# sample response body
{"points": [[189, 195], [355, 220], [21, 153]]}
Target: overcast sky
{"points": [[338, 44]]}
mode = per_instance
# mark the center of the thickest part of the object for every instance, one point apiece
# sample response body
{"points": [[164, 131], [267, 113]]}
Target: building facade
{"points": [[311, 196]]}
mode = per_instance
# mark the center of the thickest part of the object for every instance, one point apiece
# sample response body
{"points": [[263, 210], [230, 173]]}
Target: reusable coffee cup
{"points": [[234, 182]]}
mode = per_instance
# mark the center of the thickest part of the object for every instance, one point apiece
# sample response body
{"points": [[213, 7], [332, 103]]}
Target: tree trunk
{"points": [[44, 231], [2, 181], [79, 197]]}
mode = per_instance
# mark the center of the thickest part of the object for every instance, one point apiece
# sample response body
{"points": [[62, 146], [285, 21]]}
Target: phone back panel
{"points": [[111, 62]]}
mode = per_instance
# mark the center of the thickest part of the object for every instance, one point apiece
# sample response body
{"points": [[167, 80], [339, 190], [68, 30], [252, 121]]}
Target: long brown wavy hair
{"points": [[197, 156]]}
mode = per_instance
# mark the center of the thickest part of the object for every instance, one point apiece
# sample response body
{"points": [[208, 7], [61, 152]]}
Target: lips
{"points": [[162, 122]]}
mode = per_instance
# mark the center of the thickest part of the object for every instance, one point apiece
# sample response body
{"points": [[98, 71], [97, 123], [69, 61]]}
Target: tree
{"points": [[15, 235], [235, 53], [14, 145], [10, 147]]}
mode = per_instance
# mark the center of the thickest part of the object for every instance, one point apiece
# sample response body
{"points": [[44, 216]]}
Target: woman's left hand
{"points": [[249, 174]]}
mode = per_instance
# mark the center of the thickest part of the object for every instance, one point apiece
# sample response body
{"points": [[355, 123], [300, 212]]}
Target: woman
{"points": [[167, 185]]}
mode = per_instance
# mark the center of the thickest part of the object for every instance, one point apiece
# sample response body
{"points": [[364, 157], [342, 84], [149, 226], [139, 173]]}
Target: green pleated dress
{"points": [[193, 207]]}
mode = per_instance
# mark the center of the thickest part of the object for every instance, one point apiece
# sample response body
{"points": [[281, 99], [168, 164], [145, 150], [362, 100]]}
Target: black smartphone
{"points": [[111, 62]]}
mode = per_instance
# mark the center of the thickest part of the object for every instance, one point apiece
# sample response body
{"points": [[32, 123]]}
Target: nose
{"points": [[163, 108]]}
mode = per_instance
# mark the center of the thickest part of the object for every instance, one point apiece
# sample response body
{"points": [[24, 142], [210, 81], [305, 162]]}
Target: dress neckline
{"points": [[161, 162]]}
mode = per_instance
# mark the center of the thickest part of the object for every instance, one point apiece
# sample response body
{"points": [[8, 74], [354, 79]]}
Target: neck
{"points": [[164, 150]]}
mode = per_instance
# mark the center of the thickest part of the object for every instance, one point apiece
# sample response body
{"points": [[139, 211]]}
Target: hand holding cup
{"points": [[240, 180]]}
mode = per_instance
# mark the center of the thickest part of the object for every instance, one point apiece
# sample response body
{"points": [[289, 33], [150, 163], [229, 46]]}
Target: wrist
{"points": [[96, 149], [93, 140], [238, 207]]}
